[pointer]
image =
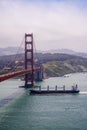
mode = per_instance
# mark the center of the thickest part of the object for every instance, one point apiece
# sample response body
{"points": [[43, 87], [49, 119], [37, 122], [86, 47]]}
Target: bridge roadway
{"points": [[15, 74]]}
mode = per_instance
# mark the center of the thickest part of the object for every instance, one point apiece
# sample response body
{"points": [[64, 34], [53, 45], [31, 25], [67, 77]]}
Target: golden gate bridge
{"points": [[29, 67]]}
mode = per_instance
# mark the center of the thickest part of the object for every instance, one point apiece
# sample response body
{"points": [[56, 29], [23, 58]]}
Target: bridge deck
{"points": [[15, 74]]}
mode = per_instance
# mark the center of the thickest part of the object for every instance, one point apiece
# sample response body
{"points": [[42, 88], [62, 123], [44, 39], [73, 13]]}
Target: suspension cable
{"points": [[36, 52], [16, 56], [19, 62]]}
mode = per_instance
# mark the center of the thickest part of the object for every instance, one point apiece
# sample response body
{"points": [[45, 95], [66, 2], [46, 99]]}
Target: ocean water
{"points": [[21, 111]]}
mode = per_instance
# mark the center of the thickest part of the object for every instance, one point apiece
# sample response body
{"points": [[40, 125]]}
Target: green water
{"points": [[44, 112]]}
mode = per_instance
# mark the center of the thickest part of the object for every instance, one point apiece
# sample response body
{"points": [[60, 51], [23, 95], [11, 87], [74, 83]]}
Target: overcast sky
{"points": [[55, 24]]}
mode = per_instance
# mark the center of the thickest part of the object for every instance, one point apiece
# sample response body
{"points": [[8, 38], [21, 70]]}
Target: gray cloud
{"points": [[55, 25]]}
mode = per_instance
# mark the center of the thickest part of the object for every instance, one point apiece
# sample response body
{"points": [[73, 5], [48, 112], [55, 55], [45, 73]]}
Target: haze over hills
{"points": [[13, 50], [10, 51], [67, 51]]}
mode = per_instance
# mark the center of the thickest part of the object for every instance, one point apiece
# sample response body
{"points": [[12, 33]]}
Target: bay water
{"points": [[21, 111]]}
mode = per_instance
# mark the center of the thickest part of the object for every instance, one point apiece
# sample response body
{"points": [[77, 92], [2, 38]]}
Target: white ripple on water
{"points": [[84, 92]]}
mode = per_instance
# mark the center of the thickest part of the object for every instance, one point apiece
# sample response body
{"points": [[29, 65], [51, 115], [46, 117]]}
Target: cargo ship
{"points": [[74, 90]]}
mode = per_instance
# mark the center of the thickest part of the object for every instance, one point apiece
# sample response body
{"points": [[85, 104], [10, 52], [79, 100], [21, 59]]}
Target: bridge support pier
{"points": [[39, 75]]}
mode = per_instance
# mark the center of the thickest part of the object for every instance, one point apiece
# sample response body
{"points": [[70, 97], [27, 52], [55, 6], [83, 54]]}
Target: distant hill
{"points": [[66, 51], [56, 64], [10, 51], [13, 50], [59, 64]]}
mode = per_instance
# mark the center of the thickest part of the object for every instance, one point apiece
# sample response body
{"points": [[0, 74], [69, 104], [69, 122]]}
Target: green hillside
{"points": [[54, 64], [60, 68]]}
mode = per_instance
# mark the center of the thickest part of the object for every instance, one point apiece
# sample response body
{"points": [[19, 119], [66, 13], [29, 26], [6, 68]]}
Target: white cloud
{"points": [[55, 25]]}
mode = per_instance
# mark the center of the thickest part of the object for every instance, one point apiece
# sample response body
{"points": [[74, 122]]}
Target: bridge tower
{"points": [[29, 60]]}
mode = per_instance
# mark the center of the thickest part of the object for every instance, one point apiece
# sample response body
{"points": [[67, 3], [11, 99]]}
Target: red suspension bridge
{"points": [[29, 67]]}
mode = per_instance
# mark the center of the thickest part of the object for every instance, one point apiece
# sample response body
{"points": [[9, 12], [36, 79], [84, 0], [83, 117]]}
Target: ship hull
{"points": [[54, 91]]}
